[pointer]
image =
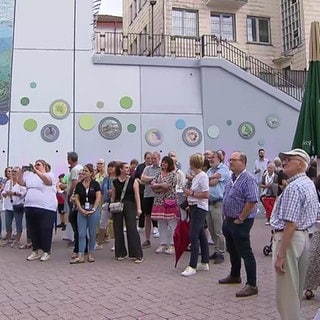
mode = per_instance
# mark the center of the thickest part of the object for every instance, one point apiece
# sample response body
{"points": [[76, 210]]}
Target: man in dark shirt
{"points": [[138, 173]]}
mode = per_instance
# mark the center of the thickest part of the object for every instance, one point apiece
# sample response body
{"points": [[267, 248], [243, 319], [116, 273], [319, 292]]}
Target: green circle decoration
{"points": [[131, 128], [25, 101], [30, 125], [33, 85], [100, 104], [126, 102], [86, 122], [229, 122], [59, 109]]}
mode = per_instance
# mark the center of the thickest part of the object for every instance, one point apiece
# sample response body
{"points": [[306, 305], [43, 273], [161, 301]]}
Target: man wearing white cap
{"points": [[294, 212]]}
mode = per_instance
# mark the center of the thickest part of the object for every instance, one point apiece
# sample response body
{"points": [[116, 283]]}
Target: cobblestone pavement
{"points": [[110, 289]]}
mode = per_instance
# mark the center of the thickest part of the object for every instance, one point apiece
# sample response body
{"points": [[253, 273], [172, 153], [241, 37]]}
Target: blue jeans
{"points": [[87, 223], [18, 217], [9, 215], [239, 246], [197, 234]]}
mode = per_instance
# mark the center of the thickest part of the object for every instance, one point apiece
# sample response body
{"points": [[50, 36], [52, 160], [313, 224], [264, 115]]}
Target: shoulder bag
{"points": [[117, 207]]}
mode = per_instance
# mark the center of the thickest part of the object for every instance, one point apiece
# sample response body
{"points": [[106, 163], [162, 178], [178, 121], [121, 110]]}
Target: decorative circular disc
{"points": [[192, 136], [246, 130], [229, 122], [86, 122], [30, 125], [59, 109], [273, 121], [154, 137], [110, 128], [49, 133], [4, 119], [180, 124], [126, 102], [131, 128], [261, 142], [213, 132], [24, 101]]}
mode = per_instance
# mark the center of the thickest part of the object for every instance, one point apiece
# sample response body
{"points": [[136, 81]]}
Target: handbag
{"points": [[117, 207], [171, 207]]}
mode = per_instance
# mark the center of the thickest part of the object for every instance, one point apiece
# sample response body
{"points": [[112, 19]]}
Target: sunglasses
{"points": [[38, 164]]}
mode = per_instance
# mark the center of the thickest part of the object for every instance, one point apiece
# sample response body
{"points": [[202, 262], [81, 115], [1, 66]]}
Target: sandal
{"points": [[77, 260], [91, 258], [309, 294]]}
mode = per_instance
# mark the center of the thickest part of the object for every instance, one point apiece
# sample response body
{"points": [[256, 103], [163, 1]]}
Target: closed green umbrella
{"points": [[307, 136]]}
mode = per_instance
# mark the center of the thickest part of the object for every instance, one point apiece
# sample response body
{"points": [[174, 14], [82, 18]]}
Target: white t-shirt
{"points": [[200, 183], [38, 194], [9, 201]]}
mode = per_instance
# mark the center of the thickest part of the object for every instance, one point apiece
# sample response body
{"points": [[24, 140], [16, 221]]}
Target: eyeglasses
{"points": [[100, 163], [232, 159], [291, 159]]}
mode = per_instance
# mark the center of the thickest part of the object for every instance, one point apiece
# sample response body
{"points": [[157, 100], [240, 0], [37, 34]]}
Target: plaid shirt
{"points": [[244, 189], [298, 203]]}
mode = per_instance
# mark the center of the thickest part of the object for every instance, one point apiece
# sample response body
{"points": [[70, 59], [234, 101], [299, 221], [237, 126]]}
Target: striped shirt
{"points": [[238, 192], [298, 203]]}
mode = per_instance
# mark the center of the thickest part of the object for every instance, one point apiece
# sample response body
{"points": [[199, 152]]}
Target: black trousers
{"points": [[40, 223], [134, 245], [239, 246]]}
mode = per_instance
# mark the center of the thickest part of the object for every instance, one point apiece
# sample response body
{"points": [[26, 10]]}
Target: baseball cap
{"points": [[295, 152]]}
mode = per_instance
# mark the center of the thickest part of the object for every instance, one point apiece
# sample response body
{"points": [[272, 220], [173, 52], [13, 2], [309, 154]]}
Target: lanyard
{"points": [[237, 178]]}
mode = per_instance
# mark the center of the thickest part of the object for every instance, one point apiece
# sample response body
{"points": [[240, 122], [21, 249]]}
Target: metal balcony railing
{"points": [[292, 82]]}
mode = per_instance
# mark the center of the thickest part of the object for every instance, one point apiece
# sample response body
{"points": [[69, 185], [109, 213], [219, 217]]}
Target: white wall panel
{"points": [[44, 24], [106, 84], [26, 147], [170, 90], [51, 71], [84, 27], [91, 146]]}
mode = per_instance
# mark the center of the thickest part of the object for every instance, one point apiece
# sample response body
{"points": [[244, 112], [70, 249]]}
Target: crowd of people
{"points": [[221, 200]]}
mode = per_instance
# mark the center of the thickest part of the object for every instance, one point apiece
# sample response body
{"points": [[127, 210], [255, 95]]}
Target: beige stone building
{"points": [[273, 31]]}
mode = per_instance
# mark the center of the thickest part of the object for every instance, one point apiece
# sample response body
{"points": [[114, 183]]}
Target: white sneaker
{"points": [[155, 230], [188, 271], [45, 257], [162, 249], [98, 247], [170, 250], [34, 256], [156, 235], [140, 230], [112, 249], [203, 267]]}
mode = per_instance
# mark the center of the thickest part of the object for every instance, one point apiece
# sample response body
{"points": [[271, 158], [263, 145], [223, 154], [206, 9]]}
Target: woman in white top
{"points": [[198, 196], [13, 195], [40, 208]]}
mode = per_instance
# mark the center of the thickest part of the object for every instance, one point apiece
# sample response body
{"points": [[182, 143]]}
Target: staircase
{"points": [[291, 82]]}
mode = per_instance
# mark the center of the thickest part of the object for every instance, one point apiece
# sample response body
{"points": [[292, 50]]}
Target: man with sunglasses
{"points": [[295, 211]]}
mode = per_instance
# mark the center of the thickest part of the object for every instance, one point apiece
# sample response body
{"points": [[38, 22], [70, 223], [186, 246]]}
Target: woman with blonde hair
{"points": [[40, 207], [198, 196]]}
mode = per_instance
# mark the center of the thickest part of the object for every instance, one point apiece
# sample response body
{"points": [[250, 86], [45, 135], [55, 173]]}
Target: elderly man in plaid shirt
{"points": [[294, 212]]}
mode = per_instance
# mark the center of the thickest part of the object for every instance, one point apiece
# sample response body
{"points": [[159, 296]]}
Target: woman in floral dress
{"points": [[165, 208]]}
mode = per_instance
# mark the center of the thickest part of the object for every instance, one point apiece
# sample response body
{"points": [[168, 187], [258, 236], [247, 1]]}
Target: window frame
{"points": [[184, 11], [257, 19], [221, 15]]}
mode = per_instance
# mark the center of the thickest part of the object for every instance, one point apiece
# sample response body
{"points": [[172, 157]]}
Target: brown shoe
{"points": [[247, 291], [229, 279]]}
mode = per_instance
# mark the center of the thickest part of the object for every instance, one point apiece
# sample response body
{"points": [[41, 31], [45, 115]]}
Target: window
{"points": [[130, 12], [135, 8], [258, 30], [223, 25], [291, 24], [185, 23]]}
